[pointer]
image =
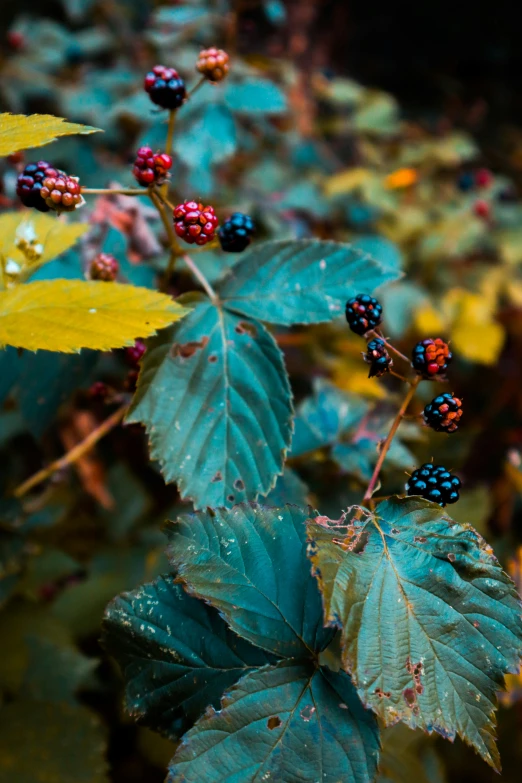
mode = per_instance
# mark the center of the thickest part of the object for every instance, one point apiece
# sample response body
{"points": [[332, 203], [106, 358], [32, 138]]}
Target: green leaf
{"points": [[21, 132], [214, 397], [301, 281], [243, 561], [66, 315], [430, 621], [209, 139], [255, 96], [55, 672], [288, 489], [177, 654], [322, 418], [51, 743], [291, 723], [387, 253]]}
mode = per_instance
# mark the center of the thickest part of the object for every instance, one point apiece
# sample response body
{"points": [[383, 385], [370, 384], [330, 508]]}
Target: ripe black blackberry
{"points": [[378, 358], [443, 413], [435, 483], [236, 232], [363, 313], [30, 183], [165, 87], [431, 357]]}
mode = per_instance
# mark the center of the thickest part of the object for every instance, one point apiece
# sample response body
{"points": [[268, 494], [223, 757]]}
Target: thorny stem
{"points": [[387, 443], [201, 278], [75, 453]]}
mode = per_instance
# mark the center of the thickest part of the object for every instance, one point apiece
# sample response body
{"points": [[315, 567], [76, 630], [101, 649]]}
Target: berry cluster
{"points": [[165, 87], [236, 232], [195, 223], [150, 167], [104, 267], [61, 192], [443, 413], [134, 353], [430, 358], [30, 183], [378, 358], [435, 483], [213, 64], [363, 313]]}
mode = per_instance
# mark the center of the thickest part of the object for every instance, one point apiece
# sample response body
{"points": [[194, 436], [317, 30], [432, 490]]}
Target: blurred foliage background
{"points": [[385, 126]]}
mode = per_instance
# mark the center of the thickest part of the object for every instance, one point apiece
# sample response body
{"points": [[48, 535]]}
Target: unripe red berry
{"points": [[213, 64], [98, 390], [195, 223], [134, 353], [150, 167], [61, 192], [482, 209], [15, 40], [104, 267], [483, 178]]}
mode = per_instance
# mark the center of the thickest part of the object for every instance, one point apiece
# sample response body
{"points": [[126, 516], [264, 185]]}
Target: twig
{"points": [[200, 277], [401, 377], [386, 445], [74, 454], [157, 199], [170, 132], [115, 191], [196, 87]]}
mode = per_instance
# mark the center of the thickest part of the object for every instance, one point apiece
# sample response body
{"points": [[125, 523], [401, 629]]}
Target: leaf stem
{"points": [[75, 453], [387, 443], [201, 278]]}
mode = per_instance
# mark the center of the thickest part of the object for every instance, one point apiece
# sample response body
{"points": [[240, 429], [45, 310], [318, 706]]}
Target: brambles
{"points": [[435, 483], [236, 232], [363, 313], [30, 183], [443, 413], [104, 267], [165, 87], [195, 223], [61, 192], [430, 358], [150, 167], [378, 358], [213, 64]]}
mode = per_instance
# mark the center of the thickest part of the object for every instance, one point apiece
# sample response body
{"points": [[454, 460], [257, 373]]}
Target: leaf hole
{"points": [[230, 498], [187, 350], [218, 477], [212, 358], [274, 722], [239, 484], [246, 327]]}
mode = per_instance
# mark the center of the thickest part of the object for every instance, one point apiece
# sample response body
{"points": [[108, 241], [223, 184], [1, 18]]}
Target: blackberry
{"points": [[430, 358], [61, 192], [104, 267], [134, 353], [435, 483], [150, 167], [30, 183], [213, 64], [443, 413], [378, 358], [165, 87], [236, 232], [363, 313], [195, 223]]}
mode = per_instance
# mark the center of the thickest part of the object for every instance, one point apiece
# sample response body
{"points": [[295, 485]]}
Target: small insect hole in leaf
{"points": [[239, 484], [245, 327], [187, 350], [274, 722]]}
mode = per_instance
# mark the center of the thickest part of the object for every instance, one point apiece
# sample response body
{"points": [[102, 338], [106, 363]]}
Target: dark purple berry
{"points": [[435, 483], [363, 313], [236, 232]]}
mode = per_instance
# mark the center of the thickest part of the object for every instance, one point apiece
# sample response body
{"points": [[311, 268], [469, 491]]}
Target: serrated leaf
{"points": [[209, 139], [430, 621], [66, 315], [289, 488], [255, 96], [51, 743], [214, 397], [291, 723], [322, 418], [242, 561], [22, 132], [301, 281], [177, 654]]}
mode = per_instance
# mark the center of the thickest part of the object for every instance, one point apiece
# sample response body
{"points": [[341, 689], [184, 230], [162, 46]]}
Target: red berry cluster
{"points": [[213, 64], [61, 192], [104, 267], [431, 357], [134, 353], [150, 167], [195, 223]]}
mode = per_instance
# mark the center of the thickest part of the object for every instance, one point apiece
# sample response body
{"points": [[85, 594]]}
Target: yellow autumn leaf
{"points": [[67, 315], [22, 132], [402, 178], [474, 334], [351, 374], [346, 181], [428, 320], [30, 239]]}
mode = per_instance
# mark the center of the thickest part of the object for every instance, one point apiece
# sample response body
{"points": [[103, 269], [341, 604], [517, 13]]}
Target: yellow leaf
{"points": [[350, 374], [475, 335], [346, 181], [67, 315], [30, 239], [428, 321], [21, 132], [402, 178]]}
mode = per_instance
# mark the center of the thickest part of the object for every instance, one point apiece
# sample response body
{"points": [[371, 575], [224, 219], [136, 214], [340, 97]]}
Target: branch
{"points": [[116, 191], [389, 346], [74, 454], [201, 278]]}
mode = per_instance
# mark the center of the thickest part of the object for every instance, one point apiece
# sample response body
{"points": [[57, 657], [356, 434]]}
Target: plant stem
{"points": [[401, 377], [387, 443], [170, 132], [115, 191], [157, 201], [201, 278], [196, 88], [389, 346], [74, 454]]}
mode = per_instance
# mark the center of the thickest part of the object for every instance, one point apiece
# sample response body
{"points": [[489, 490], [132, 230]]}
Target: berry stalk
{"points": [[201, 278], [387, 443]]}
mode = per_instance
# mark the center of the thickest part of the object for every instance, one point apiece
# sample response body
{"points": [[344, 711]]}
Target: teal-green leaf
{"points": [[214, 397], [177, 654], [291, 723], [255, 96], [209, 138], [250, 563], [430, 622], [323, 417], [303, 281]]}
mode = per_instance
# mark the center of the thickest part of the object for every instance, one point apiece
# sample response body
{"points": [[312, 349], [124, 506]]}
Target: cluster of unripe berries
{"points": [[430, 359], [44, 187], [151, 168]]}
